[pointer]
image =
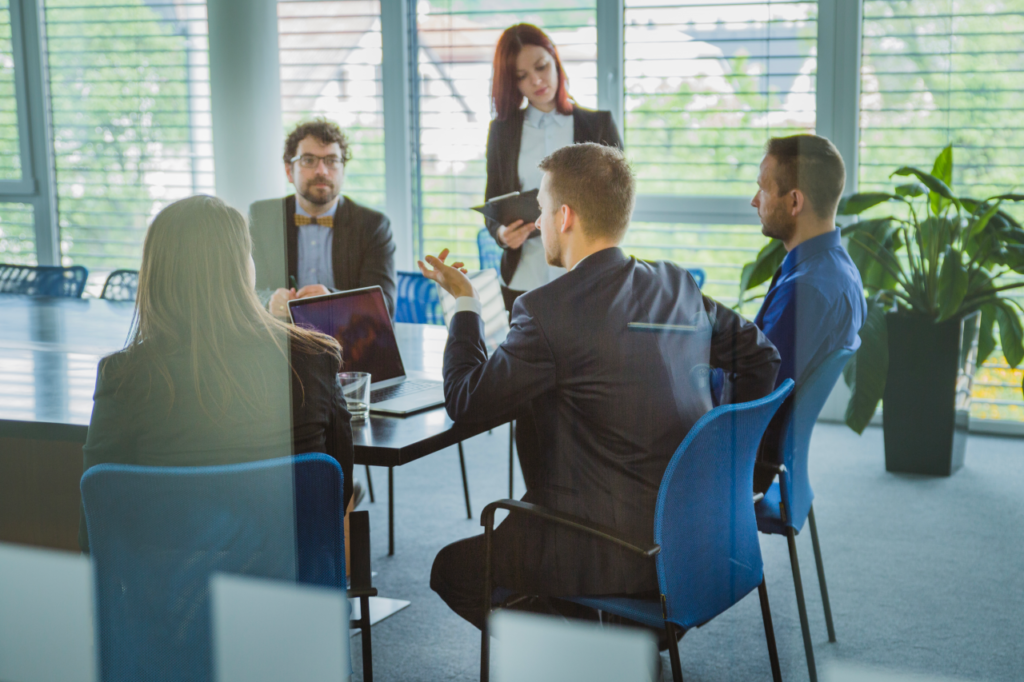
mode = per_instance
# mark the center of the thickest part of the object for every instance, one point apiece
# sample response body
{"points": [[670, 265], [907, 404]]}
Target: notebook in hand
{"points": [[509, 208]]}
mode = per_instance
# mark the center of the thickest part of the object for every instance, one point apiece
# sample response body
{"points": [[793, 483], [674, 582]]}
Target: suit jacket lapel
{"points": [[291, 239], [341, 249]]}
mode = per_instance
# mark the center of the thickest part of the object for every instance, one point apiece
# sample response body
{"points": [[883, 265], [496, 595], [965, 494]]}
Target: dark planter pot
{"points": [[927, 397]]}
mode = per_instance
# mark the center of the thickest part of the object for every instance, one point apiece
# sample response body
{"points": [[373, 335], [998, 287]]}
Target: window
{"points": [[706, 84], [330, 54], [939, 72], [17, 234], [456, 41], [130, 93], [10, 154]]}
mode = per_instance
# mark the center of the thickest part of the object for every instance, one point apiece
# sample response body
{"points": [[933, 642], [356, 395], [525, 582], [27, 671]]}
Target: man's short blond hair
{"points": [[597, 183]]}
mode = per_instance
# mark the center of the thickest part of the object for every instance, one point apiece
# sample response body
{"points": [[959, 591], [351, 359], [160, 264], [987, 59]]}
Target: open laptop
{"points": [[359, 320]]}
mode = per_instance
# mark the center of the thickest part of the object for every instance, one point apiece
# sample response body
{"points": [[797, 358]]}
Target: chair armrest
{"points": [[561, 518], [359, 537]]}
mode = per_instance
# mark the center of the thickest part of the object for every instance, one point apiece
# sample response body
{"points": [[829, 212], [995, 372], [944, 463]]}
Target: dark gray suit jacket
{"points": [[362, 255], [611, 404]]}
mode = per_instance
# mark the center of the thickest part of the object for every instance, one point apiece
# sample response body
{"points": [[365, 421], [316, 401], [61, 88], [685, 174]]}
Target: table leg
{"points": [[391, 511]]}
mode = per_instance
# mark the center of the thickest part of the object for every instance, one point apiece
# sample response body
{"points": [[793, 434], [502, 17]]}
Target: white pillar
{"points": [[245, 86]]}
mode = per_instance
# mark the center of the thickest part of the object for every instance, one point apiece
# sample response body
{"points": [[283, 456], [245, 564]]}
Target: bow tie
{"points": [[325, 220]]}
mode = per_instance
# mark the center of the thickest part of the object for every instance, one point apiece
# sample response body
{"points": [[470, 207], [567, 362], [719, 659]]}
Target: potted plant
{"points": [[936, 272]]}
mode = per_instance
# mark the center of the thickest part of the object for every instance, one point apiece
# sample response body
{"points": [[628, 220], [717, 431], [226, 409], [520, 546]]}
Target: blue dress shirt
{"points": [[316, 244], [815, 305]]}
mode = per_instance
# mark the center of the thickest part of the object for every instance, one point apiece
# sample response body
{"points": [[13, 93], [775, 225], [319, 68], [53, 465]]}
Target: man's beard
{"points": [[778, 225], [319, 196]]}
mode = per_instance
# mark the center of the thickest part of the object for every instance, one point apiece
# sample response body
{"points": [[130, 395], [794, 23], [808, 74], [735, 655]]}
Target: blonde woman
{"points": [[209, 376]]}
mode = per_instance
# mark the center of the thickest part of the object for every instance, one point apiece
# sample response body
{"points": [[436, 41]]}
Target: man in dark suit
{"points": [[612, 360], [315, 241]]}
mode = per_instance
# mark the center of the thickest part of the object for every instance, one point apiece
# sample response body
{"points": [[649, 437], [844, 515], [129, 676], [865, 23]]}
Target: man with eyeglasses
{"points": [[317, 240]]}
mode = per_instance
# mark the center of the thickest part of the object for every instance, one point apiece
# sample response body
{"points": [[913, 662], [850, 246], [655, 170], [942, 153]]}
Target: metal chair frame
{"points": [[43, 280]]}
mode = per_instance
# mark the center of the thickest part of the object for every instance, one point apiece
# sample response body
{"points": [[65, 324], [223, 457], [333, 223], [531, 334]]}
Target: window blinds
{"points": [[330, 54], [130, 97]]}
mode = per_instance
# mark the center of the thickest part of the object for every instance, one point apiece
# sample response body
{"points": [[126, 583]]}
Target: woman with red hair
{"points": [[527, 70]]}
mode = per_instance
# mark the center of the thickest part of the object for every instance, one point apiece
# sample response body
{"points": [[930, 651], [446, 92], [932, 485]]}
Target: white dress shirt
{"points": [[543, 133]]}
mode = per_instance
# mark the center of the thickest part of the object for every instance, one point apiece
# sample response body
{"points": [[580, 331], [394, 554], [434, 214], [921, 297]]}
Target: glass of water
{"points": [[356, 388]]}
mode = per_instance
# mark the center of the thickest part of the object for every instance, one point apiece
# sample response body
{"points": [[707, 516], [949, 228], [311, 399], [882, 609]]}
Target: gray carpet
{"points": [[925, 574]]}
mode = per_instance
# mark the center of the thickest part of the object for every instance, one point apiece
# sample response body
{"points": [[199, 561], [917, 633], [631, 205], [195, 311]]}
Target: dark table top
{"points": [[50, 347]]}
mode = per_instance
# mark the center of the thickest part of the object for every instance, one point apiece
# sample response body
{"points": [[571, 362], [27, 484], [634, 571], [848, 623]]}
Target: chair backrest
{"points": [[417, 300], [698, 276], [43, 280], [801, 412], [492, 305], [490, 252], [121, 285], [157, 534], [704, 521]]}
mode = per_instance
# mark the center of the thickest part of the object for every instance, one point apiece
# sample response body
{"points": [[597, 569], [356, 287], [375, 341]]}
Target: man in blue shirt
{"points": [[815, 304]]}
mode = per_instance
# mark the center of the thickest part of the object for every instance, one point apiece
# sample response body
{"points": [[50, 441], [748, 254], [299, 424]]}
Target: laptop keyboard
{"points": [[405, 388]]}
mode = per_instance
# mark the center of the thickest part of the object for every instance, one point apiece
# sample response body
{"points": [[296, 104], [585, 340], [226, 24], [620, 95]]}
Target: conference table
{"points": [[49, 350]]}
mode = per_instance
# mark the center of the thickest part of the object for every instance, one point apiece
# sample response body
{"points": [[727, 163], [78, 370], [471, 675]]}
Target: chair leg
{"points": [[673, 652], [511, 457], [369, 484], [769, 631], [391, 511], [465, 482], [364, 627], [821, 577], [801, 606]]}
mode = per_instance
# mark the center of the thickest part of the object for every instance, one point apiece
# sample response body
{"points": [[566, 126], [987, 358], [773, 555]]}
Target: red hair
{"points": [[505, 95]]}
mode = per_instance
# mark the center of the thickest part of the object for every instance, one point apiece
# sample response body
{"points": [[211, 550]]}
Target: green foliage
{"points": [[945, 260]]}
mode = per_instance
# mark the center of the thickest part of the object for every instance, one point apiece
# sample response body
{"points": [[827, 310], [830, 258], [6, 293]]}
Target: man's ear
{"points": [[797, 201], [569, 218]]}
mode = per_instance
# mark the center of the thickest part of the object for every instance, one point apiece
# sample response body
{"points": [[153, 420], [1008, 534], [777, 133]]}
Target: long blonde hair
{"points": [[196, 295]]}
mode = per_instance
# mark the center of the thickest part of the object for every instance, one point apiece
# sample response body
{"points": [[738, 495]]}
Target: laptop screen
{"points": [[359, 320]]}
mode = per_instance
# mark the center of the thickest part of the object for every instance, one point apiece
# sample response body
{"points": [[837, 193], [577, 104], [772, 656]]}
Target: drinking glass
{"points": [[355, 386]]}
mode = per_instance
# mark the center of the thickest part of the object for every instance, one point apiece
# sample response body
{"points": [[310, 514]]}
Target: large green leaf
{"points": [[952, 284], [982, 222], [1011, 333], [886, 232], [855, 204], [943, 167], [929, 180], [763, 267], [913, 189], [942, 170], [865, 374], [986, 339]]}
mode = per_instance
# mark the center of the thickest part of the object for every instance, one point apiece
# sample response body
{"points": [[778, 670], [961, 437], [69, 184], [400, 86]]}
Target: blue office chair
{"points": [[417, 300], [490, 252], [418, 303], [43, 280], [706, 548], [121, 285], [698, 275], [789, 501], [157, 534]]}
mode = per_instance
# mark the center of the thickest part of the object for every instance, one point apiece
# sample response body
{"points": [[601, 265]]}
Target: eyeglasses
{"points": [[332, 162]]}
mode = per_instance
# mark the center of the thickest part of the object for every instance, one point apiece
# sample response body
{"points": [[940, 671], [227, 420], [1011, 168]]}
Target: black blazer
{"points": [[143, 423], [611, 405], [362, 255], [503, 142]]}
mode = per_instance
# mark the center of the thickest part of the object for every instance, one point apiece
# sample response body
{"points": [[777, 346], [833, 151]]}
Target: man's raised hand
{"points": [[452, 278]]}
